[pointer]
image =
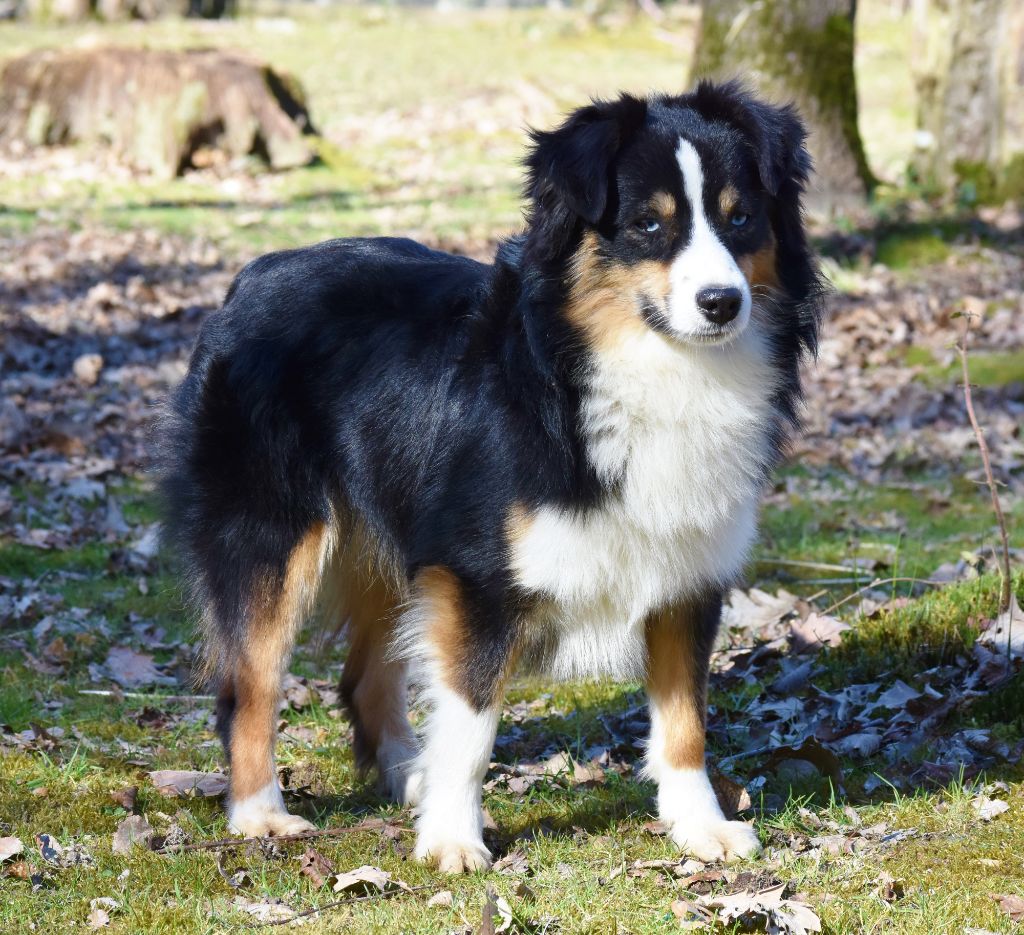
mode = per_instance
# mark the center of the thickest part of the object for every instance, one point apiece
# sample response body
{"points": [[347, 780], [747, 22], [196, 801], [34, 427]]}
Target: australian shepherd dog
{"points": [[551, 463]]}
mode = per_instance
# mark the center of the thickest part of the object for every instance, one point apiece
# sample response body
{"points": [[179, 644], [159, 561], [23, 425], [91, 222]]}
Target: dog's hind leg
{"points": [[374, 689], [251, 664]]}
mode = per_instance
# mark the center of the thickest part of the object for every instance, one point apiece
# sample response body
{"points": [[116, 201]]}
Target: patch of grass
{"points": [[988, 368], [907, 529], [932, 630], [902, 250]]}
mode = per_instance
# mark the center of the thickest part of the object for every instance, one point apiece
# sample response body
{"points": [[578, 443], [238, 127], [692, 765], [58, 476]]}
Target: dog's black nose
{"points": [[720, 304]]}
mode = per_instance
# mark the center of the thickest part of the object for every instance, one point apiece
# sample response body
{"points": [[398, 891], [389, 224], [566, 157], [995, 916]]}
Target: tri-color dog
{"points": [[551, 463]]}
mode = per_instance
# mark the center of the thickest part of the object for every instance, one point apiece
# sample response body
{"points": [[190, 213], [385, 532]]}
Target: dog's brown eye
{"points": [[739, 219], [648, 225]]}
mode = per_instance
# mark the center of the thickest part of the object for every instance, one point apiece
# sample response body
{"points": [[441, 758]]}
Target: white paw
{"points": [[717, 840], [264, 814], [454, 856]]}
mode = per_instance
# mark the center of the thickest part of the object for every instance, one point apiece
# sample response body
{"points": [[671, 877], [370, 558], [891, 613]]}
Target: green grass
{"points": [[411, 149], [573, 837], [415, 150], [987, 368], [911, 249]]}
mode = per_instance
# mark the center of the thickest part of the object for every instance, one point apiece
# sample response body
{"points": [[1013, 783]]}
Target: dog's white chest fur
{"points": [[680, 433]]}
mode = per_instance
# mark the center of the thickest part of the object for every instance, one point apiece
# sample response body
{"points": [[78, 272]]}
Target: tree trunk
{"points": [[799, 51], [959, 82], [60, 11], [161, 111]]}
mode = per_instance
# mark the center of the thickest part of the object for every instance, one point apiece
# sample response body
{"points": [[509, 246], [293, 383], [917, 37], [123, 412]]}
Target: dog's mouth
{"points": [[655, 314], [713, 334]]}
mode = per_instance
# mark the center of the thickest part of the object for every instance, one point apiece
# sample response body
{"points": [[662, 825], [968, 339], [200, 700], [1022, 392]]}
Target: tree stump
{"points": [[157, 109]]}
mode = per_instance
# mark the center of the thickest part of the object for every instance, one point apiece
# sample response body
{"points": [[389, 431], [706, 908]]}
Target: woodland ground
{"points": [[875, 743]]}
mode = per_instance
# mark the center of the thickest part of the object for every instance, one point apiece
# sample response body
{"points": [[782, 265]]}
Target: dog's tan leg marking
{"points": [[460, 730], [374, 685], [678, 652], [255, 804]]}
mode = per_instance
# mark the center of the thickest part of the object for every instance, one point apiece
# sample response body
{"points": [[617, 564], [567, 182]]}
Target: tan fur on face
{"points": [[275, 615], [760, 268], [728, 198], [604, 300], [677, 684], [664, 205]]}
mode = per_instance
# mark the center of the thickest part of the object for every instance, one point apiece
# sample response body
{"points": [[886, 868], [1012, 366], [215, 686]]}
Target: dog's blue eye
{"points": [[648, 225], [738, 220]]}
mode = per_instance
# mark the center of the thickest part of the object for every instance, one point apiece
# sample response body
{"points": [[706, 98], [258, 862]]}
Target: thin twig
{"points": [[1004, 594], [280, 838], [171, 699], [812, 566], [877, 583]]}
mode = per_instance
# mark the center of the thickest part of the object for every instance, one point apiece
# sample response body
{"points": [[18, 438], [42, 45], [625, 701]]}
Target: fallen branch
{"points": [[1004, 594], [370, 825], [368, 897]]}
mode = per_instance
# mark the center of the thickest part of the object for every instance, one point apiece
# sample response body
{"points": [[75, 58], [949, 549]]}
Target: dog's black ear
{"points": [[776, 134], [571, 165]]}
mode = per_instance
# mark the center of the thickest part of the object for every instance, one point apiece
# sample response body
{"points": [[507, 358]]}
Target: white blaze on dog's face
{"points": [[709, 299]]}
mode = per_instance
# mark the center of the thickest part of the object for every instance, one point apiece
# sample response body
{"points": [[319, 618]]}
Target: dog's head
{"points": [[679, 213]]}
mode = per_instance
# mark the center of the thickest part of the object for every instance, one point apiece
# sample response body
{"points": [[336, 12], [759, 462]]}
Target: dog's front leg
{"points": [[679, 642], [464, 667]]}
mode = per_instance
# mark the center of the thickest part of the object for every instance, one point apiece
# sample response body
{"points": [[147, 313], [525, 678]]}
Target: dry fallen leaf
{"points": [[755, 609], [133, 831], [514, 862], [817, 631], [1012, 905], [126, 797], [9, 847], [812, 752], [314, 865], [1007, 631], [366, 879], [732, 796], [889, 889], [266, 911], [442, 899], [99, 911], [778, 914], [98, 918], [987, 809], [131, 669], [172, 782]]}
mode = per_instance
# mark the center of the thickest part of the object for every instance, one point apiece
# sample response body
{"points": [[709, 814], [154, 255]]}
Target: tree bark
{"points": [[960, 88], [799, 51]]}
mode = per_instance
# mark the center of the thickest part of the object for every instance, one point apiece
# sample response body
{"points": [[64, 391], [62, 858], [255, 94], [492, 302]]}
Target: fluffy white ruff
{"points": [[681, 434], [263, 814], [457, 748]]}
